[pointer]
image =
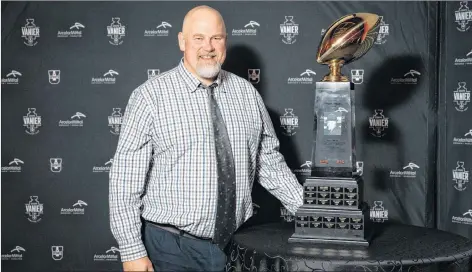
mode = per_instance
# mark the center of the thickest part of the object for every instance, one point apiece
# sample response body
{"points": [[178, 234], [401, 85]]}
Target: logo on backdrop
{"points": [[14, 255], [410, 77], [289, 30], [378, 213], [383, 32], [286, 215], [357, 76], [464, 61], [105, 168], [116, 31], [250, 29], [289, 122], [54, 76], [12, 77], [34, 209], [254, 75], [161, 30], [56, 165], [77, 209], [466, 218], [467, 140], [378, 123], [75, 31], [306, 77], [108, 78], [407, 172], [13, 166], [75, 121], [57, 252], [115, 120], [30, 32], [323, 31], [460, 176], [461, 97], [32, 121], [110, 255], [305, 169], [463, 17], [153, 73]]}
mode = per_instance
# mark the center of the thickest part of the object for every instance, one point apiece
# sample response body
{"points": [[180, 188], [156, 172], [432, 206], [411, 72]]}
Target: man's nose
{"points": [[208, 46]]}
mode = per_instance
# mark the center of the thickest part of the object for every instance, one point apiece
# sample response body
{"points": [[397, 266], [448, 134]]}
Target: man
{"points": [[193, 140]]}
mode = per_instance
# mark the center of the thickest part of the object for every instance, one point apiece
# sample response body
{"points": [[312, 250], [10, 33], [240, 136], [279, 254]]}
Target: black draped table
{"points": [[393, 248]]}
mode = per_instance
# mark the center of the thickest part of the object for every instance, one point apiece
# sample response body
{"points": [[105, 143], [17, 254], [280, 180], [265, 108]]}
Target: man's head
{"points": [[203, 41]]}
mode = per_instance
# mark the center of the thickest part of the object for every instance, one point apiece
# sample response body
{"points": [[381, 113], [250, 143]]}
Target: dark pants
{"points": [[173, 252]]}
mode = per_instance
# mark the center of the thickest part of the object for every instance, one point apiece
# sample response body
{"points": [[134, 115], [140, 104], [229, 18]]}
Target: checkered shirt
{"points": [[164, 168]]}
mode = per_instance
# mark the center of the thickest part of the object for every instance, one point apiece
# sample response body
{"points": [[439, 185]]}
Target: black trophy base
{"points": [[331, 193], [324, 240], [330, 227], [331, 212]]}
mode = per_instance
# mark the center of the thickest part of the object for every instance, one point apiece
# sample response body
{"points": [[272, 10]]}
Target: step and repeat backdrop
{"points": [[454, 197], [68, 69]]}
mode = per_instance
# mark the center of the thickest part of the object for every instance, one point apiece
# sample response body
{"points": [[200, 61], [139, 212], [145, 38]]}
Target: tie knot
{"points": [[210, 88]]}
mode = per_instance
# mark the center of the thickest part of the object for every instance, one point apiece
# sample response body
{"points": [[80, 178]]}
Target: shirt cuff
{"points": [[132, 252]]}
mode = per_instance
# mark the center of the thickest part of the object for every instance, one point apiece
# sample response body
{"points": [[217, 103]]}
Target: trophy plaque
{"points": [[332, 210]]}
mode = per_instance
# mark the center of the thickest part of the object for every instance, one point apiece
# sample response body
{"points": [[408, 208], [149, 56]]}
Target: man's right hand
{"points": [[142, 264]]}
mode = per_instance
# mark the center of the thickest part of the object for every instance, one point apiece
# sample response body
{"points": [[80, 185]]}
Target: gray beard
{"points": [[208, 71]]}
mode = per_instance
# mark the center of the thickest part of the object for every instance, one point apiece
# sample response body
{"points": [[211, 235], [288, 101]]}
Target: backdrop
{"points": [[68, 69]]}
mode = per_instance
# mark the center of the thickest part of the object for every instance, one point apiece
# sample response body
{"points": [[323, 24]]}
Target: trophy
{"points": [[332, 210]]}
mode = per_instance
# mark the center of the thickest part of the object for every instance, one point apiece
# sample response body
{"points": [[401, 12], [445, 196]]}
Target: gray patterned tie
{"points": [[225, 224]]}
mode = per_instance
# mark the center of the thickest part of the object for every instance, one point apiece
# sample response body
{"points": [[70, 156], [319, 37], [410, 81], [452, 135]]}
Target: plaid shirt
{"points": [[164, 168]]}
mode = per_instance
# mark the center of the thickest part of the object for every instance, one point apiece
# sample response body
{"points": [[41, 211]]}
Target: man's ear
{"points": [[181, 41]]}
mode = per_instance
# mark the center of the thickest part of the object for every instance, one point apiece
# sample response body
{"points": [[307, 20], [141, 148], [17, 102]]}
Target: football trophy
{"points": [[332, 210]]}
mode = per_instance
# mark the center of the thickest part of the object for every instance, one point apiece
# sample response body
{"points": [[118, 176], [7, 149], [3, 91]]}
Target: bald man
{"points": [[193, 141]]}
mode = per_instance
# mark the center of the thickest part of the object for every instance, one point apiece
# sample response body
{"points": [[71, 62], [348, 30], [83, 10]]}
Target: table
{"points": [[394, 247]]}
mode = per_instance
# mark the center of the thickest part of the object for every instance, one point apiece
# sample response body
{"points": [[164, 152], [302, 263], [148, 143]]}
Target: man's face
{"points": [[204, 44]]}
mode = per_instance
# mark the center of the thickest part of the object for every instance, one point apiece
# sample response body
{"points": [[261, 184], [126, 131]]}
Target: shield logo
{"points": [[461, 17], [30, 33], [152, 73], [56, 164], [254, 75], [116, 31], [34, 209], [461, 97], [289, 30], [357, 76], [57, 252], [54, 76]]}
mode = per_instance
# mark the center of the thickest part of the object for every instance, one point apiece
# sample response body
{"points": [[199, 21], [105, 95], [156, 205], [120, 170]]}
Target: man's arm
{"points": [[128, 177], [272, 170]]}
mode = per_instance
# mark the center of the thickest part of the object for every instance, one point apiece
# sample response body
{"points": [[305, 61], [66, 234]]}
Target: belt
{"points": [[173, 229]]}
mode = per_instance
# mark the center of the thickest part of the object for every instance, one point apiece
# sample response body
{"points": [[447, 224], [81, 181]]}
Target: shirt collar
{"points": [[192, 82]]}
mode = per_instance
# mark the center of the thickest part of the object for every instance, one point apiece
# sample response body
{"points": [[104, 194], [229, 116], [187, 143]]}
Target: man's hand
{"points": [[142, 264]]}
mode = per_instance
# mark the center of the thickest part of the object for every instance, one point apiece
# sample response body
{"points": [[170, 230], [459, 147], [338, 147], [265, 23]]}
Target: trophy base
{"points": [[337, 193], [323, 240], [331, 212]]}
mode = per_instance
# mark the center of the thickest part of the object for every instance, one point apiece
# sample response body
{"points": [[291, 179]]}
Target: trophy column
{"points": [[332, 211]]}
